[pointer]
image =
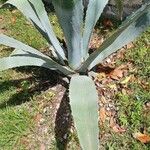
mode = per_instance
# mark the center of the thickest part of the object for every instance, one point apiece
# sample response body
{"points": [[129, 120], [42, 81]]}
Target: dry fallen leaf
{"points": [[102, 114], [103, 99], [13, 20], [116, 74], [37, 118], [96, 41], [121, 53], [116, 128], [107, 23], [130, 45], [42, 147], [143, 138]]}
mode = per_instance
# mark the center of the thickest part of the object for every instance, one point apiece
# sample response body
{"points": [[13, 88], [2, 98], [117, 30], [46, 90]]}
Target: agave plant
{"points": [[77, 62]]}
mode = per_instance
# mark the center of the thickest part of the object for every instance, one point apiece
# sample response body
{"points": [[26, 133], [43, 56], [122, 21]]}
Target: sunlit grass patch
{"points": [[140, 55], [15, 124]]}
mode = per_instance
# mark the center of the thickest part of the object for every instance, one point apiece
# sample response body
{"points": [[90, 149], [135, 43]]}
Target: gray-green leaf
{"points": [[41, 13], [35, 12], [95, 9], [22, 49], [30, 60], [130, 29], [11, 42], [70, 15], [84, 106]]}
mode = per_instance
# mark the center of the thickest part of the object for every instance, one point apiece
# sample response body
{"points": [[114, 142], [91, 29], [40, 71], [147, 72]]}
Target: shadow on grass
{"points": [[5, 85], [63, 123], [41, 80]]}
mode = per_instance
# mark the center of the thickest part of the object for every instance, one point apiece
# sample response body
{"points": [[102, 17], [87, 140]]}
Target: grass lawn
{"points": [[29, 96]]}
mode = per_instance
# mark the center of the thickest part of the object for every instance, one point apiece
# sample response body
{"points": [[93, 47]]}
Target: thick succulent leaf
{"points": [[30, 60], [70, 15], [41, 13], [25, 50], [130, 29], [25, 7], [84, 106], [54, 65], [11, 42], [35, 12], [16, 61], [94, 10]]}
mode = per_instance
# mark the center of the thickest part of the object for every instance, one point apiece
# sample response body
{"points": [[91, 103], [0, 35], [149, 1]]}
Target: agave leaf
{"points": [[16, 61], [41, 13], [54, 65], [11, 42], [25, 7], [22, 49], [70, 16], [130, 29], [26, 59], [83, 101], [94, 10], [35, 12]]}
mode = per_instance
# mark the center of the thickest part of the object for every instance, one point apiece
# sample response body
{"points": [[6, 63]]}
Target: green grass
{"points": [[133, 117], [16, 121], [14, 24], [131, 112], [21, 29], [15, 124], [140, 55], [2, 1]]}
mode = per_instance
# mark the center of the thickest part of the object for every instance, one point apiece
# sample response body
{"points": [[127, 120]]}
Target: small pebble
{"points": [[117, 108], [107, 108], [101, 105], [45, 110], [65, 136], [42, 120], [110, 105], [148, 104], [57, 106]]}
